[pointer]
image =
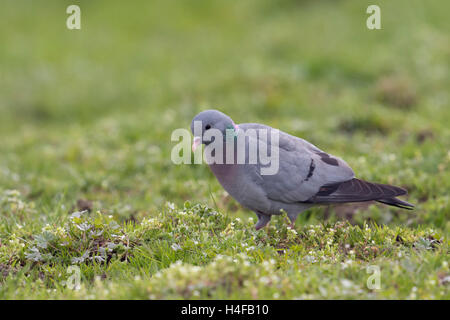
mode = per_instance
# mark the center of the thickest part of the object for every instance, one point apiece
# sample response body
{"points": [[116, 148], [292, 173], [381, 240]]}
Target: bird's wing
{"points": [[356, 190], [302, 168]]}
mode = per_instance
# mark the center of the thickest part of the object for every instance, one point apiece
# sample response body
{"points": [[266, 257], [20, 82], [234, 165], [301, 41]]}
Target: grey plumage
{"points": [[307, 176]]}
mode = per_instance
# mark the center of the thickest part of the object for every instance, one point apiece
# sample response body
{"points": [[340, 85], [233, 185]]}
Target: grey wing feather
{"points": [[303, 168]]}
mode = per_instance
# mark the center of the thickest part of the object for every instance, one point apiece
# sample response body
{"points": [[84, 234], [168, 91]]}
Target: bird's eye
{"points": [[208, 127]]}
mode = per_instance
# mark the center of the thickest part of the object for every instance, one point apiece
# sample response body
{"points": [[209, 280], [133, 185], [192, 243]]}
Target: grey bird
{"points": [[306, 176]]}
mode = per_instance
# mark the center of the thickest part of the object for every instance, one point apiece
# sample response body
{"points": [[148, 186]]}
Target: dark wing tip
{"points": [[356, 190]]}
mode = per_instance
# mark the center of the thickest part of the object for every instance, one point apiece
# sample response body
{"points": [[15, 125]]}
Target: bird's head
{"points": [[208, 120]]}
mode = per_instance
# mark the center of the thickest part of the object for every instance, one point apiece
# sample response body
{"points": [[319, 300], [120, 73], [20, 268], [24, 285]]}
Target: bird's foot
{"points": [[263, 220], [292, 218]]}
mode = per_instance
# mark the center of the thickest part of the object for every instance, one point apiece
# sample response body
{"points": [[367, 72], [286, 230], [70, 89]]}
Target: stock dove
{"points": [[306, 175]]}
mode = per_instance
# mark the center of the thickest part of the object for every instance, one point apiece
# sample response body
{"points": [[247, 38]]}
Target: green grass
{"points": [[85, 124]]}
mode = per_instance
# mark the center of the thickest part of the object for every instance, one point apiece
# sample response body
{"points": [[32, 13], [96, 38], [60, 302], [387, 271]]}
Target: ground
{"points": [[88, 188]]}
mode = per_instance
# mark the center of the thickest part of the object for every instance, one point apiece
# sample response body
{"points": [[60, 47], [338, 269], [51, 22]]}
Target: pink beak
{"points": [[196, 143]]}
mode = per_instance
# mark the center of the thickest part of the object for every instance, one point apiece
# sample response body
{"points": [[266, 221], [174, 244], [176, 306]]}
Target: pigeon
{"points": [[306, 175]]}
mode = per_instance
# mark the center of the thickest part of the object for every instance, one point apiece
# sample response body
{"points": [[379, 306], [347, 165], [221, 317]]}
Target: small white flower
{"points": [[346, 283], [171, 205]]}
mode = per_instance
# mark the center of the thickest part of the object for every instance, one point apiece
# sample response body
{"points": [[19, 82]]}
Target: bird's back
{"points": [[303, 168]]}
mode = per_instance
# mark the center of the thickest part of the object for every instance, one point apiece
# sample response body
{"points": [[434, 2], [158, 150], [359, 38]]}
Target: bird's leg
{"points": [[292, 217], [263, 220]]}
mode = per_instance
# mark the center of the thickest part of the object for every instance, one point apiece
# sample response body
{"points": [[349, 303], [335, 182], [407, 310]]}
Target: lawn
{"points": [[88, 190]]}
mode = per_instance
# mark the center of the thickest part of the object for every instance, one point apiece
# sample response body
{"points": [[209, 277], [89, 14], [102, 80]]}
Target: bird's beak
{"points": [[196, 143]]}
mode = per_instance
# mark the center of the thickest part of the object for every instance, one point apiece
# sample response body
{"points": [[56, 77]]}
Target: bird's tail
{"points": [[397, 203], [356, 190]]}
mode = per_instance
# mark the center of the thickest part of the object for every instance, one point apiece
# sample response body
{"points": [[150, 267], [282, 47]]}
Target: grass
{"points": [[86, 178]]}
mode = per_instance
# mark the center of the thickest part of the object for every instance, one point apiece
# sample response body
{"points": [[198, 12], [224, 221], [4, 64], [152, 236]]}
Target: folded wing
{"points": [[356, 190]]}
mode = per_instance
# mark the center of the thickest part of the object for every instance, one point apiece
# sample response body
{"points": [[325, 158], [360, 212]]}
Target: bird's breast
{"points": [[225, 173]]}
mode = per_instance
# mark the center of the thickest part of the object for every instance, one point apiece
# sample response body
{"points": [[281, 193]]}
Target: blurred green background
{"points": [[86, 115]]}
